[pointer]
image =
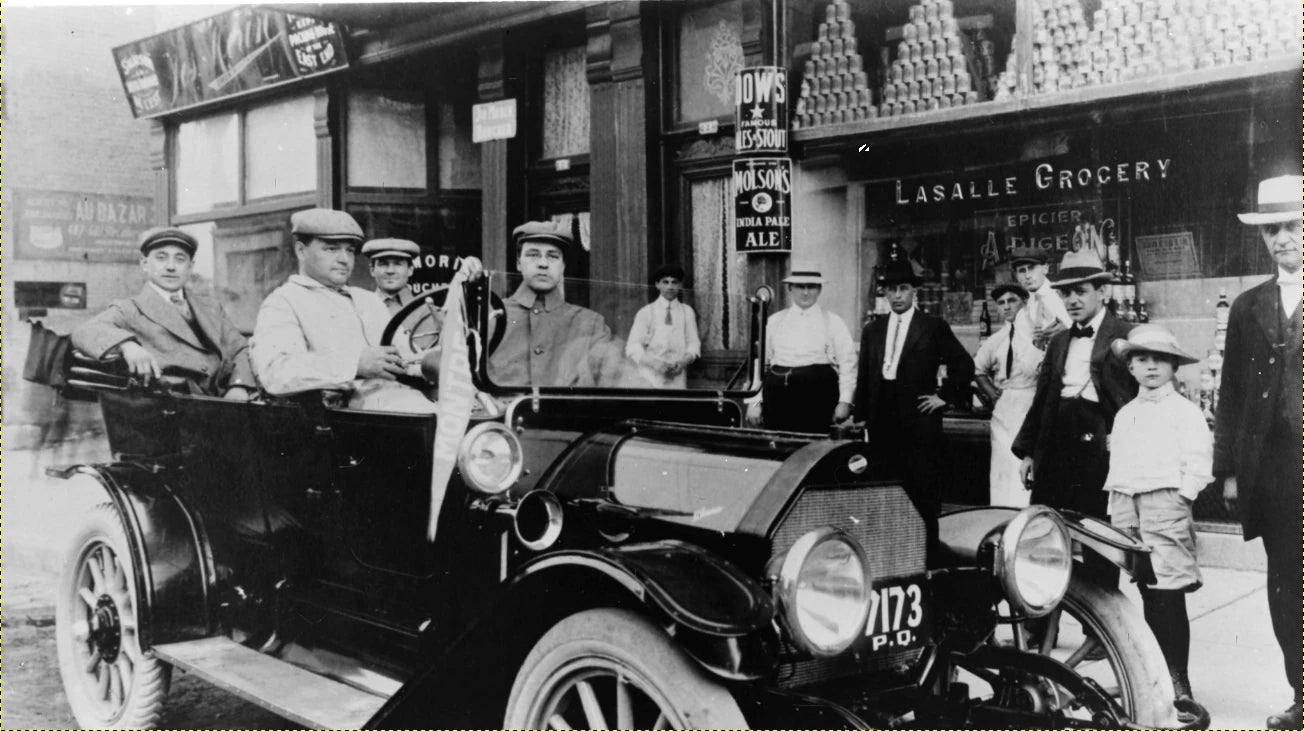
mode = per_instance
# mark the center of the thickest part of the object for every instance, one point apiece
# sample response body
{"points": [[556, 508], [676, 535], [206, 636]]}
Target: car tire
{"points": [[109, 681], [612, 668]]}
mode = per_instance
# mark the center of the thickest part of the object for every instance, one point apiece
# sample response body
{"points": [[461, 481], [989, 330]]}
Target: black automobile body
{"points": [[622, 556]]}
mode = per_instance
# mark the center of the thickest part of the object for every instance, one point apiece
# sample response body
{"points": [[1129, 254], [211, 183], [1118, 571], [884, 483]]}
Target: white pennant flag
{"points": [[456, 396]]}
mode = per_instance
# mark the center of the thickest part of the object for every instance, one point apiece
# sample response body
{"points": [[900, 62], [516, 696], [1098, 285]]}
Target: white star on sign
{"points": [[758, 112]]}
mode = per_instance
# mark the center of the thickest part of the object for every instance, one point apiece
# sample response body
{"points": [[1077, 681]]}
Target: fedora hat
{"points": [[1151, 338], [1279, 200], [804, 272], [1080, 266]]}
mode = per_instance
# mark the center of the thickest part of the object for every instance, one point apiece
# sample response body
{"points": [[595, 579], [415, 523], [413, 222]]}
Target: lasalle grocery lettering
{"points": [[1044, 177]]}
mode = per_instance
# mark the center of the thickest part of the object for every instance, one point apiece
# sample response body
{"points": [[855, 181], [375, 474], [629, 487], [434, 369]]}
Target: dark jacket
{"points": [[1260, 384], [159, 327], [1109, 374], [929, 343]]}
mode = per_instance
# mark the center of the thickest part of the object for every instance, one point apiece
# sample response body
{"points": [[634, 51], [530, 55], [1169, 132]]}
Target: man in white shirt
{"points": [[315, 332], [1257, 427], [811, 376], [1044, 314], [1006, 373], [664, 340]]}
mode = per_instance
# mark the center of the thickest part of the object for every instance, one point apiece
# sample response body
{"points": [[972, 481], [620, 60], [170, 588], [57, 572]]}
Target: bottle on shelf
{"points": [[1127, 281], [1142, 312], [1223, 310], [1129, 311], [985, 323]]}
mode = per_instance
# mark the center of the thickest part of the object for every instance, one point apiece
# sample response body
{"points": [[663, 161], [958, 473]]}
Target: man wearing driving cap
{"points": [[1006, 373], [1082, 384], [1257, 426], [391, 267], [811, 359], [897, 391], [315, 332], [1044, 315], [548, 341], [168, 326]]}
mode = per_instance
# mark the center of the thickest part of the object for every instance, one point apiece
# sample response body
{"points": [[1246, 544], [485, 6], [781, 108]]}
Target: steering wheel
{"points": [[426, 313]]}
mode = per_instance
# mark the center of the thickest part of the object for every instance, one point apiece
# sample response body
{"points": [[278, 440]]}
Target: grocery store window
{"points": [[386, 139], [709, 52]]}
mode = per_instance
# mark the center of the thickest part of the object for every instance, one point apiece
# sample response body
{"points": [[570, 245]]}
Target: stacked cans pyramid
{"points": [[1130, 39], [937, 65], [834, 87]]}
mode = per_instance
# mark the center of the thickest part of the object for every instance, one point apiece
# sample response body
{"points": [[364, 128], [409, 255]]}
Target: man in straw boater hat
{"points": [[811, 359], [1257, 428], [1082, 385], [1161, 457], [897, 391]]}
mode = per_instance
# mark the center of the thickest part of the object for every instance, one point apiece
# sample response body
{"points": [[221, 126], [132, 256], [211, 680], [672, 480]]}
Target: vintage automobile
{"points": [[607, 554]]}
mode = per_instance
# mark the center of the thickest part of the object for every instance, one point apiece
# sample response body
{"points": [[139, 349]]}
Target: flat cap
{"points": [[165, 236], [399, 248], [544, 232], [1032, 254], [324, 223]]}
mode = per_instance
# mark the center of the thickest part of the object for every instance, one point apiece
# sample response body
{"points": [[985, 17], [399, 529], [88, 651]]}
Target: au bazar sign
{"points": [[58, 224]]}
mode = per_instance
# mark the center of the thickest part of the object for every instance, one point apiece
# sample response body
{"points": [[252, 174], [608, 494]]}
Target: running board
{"points": [[306, 698]]}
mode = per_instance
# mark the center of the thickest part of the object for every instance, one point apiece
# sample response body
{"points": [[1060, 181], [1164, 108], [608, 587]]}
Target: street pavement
{"points": [[1235, 666]]}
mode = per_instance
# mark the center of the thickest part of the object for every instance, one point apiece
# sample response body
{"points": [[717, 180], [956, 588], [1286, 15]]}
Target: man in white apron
{"points": [[1006, 373], [664, 339]]}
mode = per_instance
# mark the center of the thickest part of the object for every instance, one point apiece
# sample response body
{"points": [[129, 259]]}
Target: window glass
{"points": [[281, 148], [565, 104], [710, 52], [459, 157], [208, 163], [387, 140]]}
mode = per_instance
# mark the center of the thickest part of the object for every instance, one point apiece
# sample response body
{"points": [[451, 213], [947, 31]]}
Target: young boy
{"points": [[1161, 457], [664, 340]]}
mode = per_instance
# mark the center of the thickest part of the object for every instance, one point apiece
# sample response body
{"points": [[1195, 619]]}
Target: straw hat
{"points": [[1078, 267], [1279, 200], [804, 272], [1152, 338]]}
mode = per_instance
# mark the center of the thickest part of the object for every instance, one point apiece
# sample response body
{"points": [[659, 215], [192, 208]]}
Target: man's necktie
{"points": [[1079, 331], [1009, 353], [183, 307], [668, 320], [891, 348]]}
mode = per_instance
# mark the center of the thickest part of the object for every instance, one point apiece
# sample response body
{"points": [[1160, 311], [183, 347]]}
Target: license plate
{"points": [[900, 615]]}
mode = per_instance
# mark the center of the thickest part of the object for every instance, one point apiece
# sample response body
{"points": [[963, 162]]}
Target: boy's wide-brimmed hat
{"points": [[1152, 338], [1279, 200], [804, 272], [1078, 267]]}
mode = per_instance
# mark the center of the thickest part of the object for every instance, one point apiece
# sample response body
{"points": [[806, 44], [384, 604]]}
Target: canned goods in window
{"points": [[963, 82], [925, 88], [953, 47], [948, 84], [836, 45], [823, 33], [826, 84], [859, 81], [907, 73], [930, 12], [944, 101], [944, 67], [835, 84], [921, 71], [841, 66], [910, 107], [913, 90], [864, 97], [945, 9], [824, 48], [890, 94], [849, 46]]}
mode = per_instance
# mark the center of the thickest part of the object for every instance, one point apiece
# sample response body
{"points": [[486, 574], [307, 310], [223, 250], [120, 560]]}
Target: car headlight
{"points": [[490, 458], [824, 587], [1035, 561]]}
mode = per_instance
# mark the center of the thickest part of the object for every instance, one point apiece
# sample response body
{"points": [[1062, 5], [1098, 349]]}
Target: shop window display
{"points": [[387, 140], [709, 55], [281, 151]]}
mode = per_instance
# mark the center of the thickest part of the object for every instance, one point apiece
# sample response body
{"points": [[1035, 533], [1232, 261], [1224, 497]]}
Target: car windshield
{"points": [[594, 334]]}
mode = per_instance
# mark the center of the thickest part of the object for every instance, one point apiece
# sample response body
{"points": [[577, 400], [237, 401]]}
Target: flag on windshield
{"points": [[456, 396]]}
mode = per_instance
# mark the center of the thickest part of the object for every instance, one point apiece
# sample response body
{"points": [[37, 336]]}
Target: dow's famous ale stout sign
{"points": [[761, 110], [762, 204]]}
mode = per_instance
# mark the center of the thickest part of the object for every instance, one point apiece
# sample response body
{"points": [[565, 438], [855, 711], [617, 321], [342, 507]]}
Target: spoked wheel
{"points": [[1100, 636], [109, 681], [610, 668]]}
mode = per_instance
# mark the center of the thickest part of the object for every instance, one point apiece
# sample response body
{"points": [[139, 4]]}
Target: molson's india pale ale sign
{"points": [[761, 110], [762, 204]]}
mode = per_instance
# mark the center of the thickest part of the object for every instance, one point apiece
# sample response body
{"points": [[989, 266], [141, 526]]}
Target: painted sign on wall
{"points": [[58, 224]]}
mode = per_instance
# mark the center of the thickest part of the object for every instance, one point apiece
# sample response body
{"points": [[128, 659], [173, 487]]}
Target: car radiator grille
{"points": [[886, 524]]}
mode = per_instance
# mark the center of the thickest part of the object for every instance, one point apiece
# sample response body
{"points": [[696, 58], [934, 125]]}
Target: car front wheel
{"points": [[611, 668], [110, 682]]}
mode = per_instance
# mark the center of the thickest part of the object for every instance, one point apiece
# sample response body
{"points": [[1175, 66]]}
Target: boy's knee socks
{"points": [[1165, 612]]}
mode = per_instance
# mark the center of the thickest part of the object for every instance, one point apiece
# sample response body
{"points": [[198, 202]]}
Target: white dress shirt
{"points": [[653, 340], [992, 356], [166, 295], [1291, 286], [1160, 440], [897, 327], [1077, 366], [797, 337]]}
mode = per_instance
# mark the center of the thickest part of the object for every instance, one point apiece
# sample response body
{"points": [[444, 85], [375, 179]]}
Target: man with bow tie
{"points": [[1081, 386], [168, 327], [1257, 429]]}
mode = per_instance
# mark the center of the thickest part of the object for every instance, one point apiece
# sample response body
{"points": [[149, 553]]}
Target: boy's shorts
{"points": [[1162, 520]]}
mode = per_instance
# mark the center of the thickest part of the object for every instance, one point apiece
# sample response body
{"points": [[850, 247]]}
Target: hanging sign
{"points": [[229, 54], [493, 120], [761, 110], [762, 189]]}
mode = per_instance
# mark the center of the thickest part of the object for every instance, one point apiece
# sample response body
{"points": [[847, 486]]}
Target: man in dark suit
{"points": [[169, 327], [1257, 431], [897, 393], [1063, 443]]}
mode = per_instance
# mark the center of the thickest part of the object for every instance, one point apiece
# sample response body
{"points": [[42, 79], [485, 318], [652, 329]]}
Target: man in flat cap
{"points": [[811, 361], [897, 392], [168, 326], [1006, 373], [315, 332], [1257, 427], [1044, 315], [1082, 384], [391, 267], [548, 342], [664, 340]]}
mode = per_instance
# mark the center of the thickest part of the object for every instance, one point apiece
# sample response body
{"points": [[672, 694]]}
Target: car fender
{"points": [[716, 614], [166, 540], [962, 533]]}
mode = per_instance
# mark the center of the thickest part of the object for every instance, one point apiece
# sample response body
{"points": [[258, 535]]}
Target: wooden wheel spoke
{"points": [[117, 690], [593, 716], [126, 670], [556, 721], [660, 723], [624, 704], [99, 584], [102, 675], [88, 598], [92, 662]]}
